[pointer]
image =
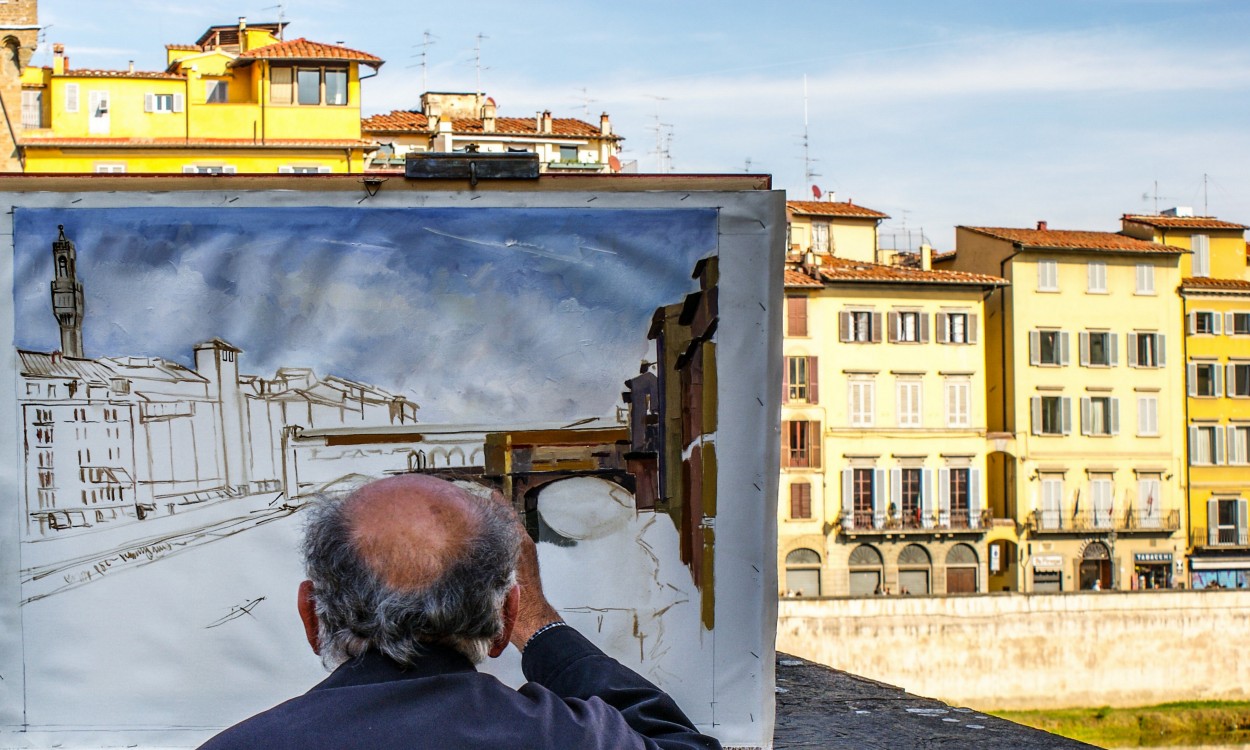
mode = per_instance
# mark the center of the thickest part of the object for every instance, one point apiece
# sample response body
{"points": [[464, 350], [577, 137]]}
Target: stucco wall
{"points": [[1041, 651]]}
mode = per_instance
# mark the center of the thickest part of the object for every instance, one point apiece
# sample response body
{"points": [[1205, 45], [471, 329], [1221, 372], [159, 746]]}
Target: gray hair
{"points": [[461, 609]]}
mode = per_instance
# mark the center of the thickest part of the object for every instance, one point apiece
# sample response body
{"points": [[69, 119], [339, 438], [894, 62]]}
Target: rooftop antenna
{"points": [[427, 40], [1205, 210], [281, 17], [809, 175], [586, 101], [477, 63], [747, 167], [663, 135]]}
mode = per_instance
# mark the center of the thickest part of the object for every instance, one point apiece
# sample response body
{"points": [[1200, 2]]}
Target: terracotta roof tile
{"points": [[1202, 282], [1182, 222], [195, 142], [184, 47], [1065, 239], [833, 208], [302, 49], [89, 73], [835, 270], [401, 121], [798, 278]]}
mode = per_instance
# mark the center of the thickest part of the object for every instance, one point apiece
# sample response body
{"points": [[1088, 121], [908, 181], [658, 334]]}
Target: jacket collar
{"points": [[373, 667]]}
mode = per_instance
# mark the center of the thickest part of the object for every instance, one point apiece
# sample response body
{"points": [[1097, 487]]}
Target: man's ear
{"points": [[308, 613], [511, 607]]}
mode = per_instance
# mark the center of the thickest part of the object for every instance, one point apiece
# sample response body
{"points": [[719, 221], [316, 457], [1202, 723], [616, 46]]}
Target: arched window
{"points": [[914, 570], [962, 564], [866, 571], [803, 573]]}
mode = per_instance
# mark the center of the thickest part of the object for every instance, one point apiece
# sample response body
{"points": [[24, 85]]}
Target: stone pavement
{"points": [[820, 707]]}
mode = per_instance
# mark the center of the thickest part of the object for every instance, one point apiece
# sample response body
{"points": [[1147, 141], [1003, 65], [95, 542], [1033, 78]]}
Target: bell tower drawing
{"points": [[67, 304]]}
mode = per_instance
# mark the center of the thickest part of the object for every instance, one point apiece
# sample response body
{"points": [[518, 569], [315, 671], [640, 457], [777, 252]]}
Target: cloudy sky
{"points": [[938, 113], [483, 315]]}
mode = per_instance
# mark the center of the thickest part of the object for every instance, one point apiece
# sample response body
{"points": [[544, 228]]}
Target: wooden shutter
{"points": [[922, 318], [801, 500], [813, 381], [1191, 322], [974, 498], [1143, 415], [970, 328], [1066, 422], [1229, 328], [896, 491], [943, 335], [785, 443], [1217, 373], [1113, 349], [1161, 357], [1084, 342], [814, 439], [1192, 375], [1213, 522], [1063, 348], [178, 102], [1243, 528], [1035, 347], [1131, 349], [876, 328], [1234, 447], [71, 97], [149, 102], [1218, 458], [944, 496], [848, 498], [786, 363], [926, 499], [1113, 405], [846, 327], [891, 319], [1035, 404], [796, 313], [879, 498], [1215, 323], [1086, 417]]}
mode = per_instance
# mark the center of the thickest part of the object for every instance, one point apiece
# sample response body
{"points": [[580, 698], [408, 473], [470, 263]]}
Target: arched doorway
{"points": [[866, 570], [1096, 567], [915, 569], [803, 573], [961, 570]]}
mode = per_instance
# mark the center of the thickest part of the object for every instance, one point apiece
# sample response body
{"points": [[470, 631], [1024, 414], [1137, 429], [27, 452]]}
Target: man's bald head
{"points": [[409, 561]]}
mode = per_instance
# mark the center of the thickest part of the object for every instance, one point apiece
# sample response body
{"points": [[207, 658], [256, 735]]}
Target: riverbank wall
{"points": [[1040, 651]]}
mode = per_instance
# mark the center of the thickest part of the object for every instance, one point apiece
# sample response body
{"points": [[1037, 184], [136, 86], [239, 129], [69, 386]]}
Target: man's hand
{"points": [[534, 611]]}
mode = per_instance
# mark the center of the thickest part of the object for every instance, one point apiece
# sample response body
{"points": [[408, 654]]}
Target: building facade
{"points": [[884, 431], [238, 100], [1087, 397], [838, 228], [447, 122]]}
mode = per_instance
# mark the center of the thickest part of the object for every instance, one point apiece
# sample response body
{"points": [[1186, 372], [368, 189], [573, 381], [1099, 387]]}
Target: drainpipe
{"points": [[1002, 328], [1184, 467]]}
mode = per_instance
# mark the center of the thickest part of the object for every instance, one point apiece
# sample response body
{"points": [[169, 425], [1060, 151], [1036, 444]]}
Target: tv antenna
{"points": [[747, 167], [586, 101], [663, 136], [809, 174], [281, 17], [427, 41], [477, 64], [1155, 195]]}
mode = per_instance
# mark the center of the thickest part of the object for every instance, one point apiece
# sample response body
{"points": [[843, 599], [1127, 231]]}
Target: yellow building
{"points": [[884, 438], [1087, 395], [447, 122], [838, 228], [1215, 304], [238, 100]]}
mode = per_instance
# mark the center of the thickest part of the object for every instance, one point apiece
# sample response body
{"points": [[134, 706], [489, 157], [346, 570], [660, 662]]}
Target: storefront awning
{"points": [[1222, 563]]}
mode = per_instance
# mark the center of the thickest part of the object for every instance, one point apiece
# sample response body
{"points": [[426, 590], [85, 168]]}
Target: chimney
{"points": [[433, 113], [1041, 226], [58, 59], [546, 117], [926, 256], [605, 125], [132, 66], [488, 117], [242, 33]]}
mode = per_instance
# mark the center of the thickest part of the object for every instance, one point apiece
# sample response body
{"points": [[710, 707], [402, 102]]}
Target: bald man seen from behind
{"points": [[411, 582]]}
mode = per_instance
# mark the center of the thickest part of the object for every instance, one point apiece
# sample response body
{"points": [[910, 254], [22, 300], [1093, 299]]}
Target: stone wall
{"points": [[1014, 651], [17, 44]]}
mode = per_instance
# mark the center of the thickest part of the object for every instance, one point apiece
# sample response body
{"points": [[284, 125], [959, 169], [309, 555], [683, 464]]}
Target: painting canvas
{"points": [[188, 374]]}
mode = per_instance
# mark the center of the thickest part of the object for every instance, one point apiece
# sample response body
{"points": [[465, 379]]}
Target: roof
{"points": [[1183, 222], [834, 208], [836, 270], [798, 278], [302, 49], [44, 364], [228, 34], [93, 73], [411, 121], [184, 47], [1203, 284], [182, 143], [1065, 239]]}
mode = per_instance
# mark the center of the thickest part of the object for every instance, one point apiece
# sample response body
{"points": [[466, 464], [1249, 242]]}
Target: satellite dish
{"points": [[614, 163]]}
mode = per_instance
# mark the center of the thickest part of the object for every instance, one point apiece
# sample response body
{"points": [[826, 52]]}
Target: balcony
{"points": [[854, 523], [1225, 537], [1101, 522]]}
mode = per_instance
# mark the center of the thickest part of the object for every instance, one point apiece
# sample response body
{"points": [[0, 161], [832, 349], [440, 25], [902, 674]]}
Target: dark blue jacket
{"points": [[576, 698]]}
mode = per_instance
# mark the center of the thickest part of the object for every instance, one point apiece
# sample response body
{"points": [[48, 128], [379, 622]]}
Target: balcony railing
{"points": [[868, 522], [1225, 536], [1123, 521]]}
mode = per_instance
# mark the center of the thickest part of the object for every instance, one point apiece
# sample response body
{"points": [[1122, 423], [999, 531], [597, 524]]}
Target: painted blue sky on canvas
{"points": [[476, 314]]}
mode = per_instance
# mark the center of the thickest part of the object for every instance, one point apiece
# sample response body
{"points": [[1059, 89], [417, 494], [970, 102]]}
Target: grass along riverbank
{"points": [[1187, 723]]}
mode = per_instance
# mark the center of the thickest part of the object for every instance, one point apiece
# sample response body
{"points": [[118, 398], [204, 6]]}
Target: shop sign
{"points": [[1047, 562], [1153, 557]]}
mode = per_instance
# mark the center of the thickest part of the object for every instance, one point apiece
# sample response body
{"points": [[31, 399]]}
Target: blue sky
{"points": [[938, 113], [481, 315]]}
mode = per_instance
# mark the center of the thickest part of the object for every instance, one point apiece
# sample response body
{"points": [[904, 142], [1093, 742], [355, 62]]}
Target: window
{"points": [[1206, 445], [308, 85], [1052, 415], [1227, 521], [1052, 501], [1239, 444], [1145, 278], [1100, 415], [1048, 347], [1204, 322], [863, 498], [71, 97], [796, 316], [1101, 494], [801, 500], [820, 237], [908, 403], [909, 326], [1238, 379], [1047, 276], [1206, 379], [801, 381], [959, 498], [1099, 349], [110, 168], [1200, 244], [303, 170], [909, 496], [800, 445], [216, 92], [803, 573], [958, 402], [956, 328], [208, 169], [1096, 273], [162, 102], [568, 153], [32, 109], [862, 396], [1237, 323], [861, 326], [1147, 416], [1146, 350], [336, 86], [281, 85]]}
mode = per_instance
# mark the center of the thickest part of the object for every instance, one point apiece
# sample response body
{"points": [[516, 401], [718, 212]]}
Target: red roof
{"points": [[1064, 239], [798, 278], [194, 142], [1215, 285], [835, 270], [1182, 222], [408, 121], [302, 49], [833, 208], [91, 73]]}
